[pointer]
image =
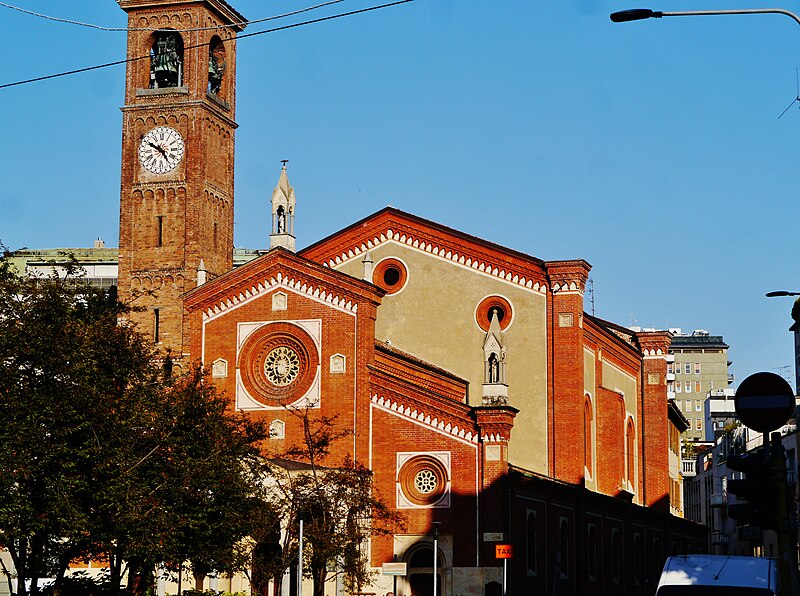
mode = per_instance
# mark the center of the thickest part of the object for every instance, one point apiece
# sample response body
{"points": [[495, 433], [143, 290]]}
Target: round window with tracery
{"points": [[423, 480], [278, 363], [282, 366]]}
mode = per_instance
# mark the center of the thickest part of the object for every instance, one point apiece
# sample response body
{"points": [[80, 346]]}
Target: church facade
{"points": [[491, 408]]}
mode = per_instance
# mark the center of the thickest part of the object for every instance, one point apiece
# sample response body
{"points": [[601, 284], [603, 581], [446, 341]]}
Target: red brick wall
{"points": [[610, 441], [655, 421]]}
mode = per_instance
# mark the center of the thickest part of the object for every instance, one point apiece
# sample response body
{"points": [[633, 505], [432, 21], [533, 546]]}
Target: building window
{"points": [[677, 368], [697, 368], [424, 481], [156, 325], [669, 367], [698, 406], [697, 387], [688, 387], [699, 424], [532, 554], [160, 230], [564, 548], [630, 456], [591, 544], [678, 387], [616, 556], [687, 368], [679, 403], [588, 450], [688, 405], [390, 275]]}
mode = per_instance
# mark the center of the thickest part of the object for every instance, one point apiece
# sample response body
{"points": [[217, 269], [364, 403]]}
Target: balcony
{"points": [[688, 468], [719, 500], [670, 377], [750, 533]]}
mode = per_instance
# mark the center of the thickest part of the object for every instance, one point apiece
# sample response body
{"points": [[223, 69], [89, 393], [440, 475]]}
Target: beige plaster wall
{"points": [[433, 318]]}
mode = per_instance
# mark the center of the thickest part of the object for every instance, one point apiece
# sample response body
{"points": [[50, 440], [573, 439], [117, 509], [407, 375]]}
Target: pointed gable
{"points": [[391, 225], [276, 269]]}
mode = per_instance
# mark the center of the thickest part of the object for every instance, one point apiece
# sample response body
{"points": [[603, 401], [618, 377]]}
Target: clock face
{"points": [[161, 150]]}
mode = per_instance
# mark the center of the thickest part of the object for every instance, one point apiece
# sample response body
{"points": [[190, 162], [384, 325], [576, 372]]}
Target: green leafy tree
{"points": [[102, 455], [339, 505]]}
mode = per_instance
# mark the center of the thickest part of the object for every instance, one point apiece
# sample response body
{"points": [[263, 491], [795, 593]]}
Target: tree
{"points": [[103, 455], [337, 501]]}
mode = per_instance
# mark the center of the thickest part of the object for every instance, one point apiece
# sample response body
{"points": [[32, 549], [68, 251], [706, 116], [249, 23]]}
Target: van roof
{"points": [[720, 570]]}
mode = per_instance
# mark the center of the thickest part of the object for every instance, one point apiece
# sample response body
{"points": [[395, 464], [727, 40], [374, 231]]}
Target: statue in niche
{"points": [[281, 224], [494, 368]]}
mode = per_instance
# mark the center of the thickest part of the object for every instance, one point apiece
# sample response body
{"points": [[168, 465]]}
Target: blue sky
{"points": [[651, 149]]}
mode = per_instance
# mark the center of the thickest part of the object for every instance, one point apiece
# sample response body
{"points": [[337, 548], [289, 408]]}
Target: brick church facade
{"points": [[486, 401]]}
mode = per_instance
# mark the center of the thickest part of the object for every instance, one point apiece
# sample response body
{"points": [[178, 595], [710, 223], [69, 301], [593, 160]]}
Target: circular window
{"points": [[423, 480], [282, 365], [390, 275], [278, 363], [500, 306]]}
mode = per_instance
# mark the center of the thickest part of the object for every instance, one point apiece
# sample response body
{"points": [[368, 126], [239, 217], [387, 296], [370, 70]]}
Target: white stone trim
{"points": [[283, 282], [443, 253], [420, 417]]}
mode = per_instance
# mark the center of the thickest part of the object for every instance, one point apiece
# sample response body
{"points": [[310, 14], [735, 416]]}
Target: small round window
{"points": [[390, 275], [497, 305], [423, 480]]}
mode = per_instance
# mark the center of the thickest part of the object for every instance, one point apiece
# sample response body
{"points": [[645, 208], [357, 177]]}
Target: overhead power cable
{"points": [[147, 57], [230, 26]]}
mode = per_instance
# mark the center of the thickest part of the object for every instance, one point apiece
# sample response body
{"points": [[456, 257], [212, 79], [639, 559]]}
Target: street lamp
{"points": [[639, 14], [794, 328]]}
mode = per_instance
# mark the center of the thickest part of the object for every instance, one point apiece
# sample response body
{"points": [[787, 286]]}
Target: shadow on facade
{"points": [[567, 540]]}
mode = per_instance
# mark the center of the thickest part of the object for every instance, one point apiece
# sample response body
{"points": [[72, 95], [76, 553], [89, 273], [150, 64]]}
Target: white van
{"points": [[715, 575]]}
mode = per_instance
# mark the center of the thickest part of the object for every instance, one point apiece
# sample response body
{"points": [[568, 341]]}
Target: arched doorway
{"points": [[420, 572]]}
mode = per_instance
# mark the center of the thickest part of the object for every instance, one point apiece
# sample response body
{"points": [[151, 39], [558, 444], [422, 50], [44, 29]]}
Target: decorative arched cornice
{"points": [[393, 226], [426, 419], [279, 280]]}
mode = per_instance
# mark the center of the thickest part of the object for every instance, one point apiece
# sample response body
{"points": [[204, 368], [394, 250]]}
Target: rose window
{"points": [[282, 365], [278, 363], [425, 481]]}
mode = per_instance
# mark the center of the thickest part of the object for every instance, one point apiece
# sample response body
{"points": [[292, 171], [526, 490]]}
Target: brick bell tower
{"points": [[176, 196]]}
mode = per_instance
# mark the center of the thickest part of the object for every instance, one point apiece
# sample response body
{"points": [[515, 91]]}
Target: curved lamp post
{"points": [[639, 14]]}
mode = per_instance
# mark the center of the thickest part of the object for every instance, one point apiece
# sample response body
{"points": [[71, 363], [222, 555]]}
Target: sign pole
{"points": [[300, 561], [505, 552]]}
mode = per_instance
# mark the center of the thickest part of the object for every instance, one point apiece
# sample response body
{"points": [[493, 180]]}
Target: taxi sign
{"points": [[503, 551]]}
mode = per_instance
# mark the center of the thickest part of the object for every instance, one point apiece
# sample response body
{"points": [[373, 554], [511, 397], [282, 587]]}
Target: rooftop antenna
{"points": [[797, 95], [590, 289]]}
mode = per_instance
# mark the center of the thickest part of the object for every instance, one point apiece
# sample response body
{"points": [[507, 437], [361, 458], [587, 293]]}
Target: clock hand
{"points": [[158, 148]]}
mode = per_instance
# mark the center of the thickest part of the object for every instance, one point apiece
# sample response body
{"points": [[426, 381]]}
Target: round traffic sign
{"points": [[764, 401]]}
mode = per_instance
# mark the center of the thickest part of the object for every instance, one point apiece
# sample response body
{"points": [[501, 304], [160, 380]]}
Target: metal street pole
{"points": [[639, 14], [300, 561], [435, 557]]}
